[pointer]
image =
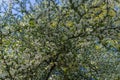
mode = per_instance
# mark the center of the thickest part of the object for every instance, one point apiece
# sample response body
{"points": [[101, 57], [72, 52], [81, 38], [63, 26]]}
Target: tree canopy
{"points": [[60, 40]]}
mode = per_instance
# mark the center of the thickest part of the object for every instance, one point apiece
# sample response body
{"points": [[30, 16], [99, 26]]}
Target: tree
{"points": [[69, 40]]}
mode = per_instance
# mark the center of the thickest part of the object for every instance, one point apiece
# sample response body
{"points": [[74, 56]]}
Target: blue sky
{"points": [[32, 2], [7, 1]]}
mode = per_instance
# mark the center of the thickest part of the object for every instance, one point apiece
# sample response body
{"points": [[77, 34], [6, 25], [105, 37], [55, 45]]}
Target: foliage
{"points": [[69, 40]]}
